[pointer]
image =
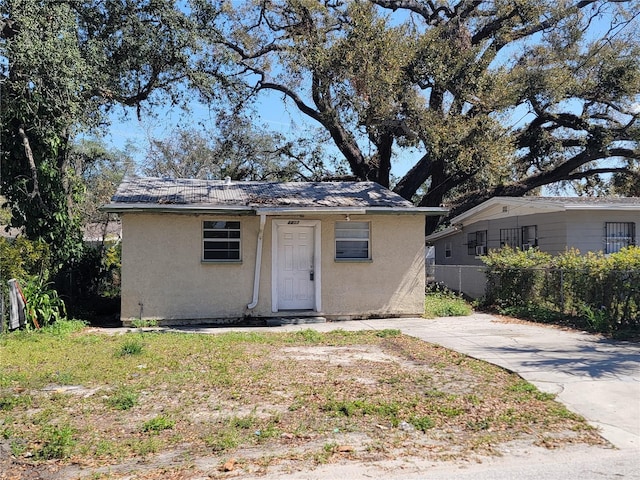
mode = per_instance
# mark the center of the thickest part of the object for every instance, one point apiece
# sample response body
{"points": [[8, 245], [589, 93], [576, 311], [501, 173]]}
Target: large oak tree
{"points": [[487, 97]]}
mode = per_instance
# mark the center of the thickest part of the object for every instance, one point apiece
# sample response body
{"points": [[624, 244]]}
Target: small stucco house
{"points": [[196, 251], [552, 224]]}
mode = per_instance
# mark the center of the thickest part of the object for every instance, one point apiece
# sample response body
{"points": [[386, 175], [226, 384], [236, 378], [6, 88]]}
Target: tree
{"points": [[101, 169], [496, 97], [236, 149], [64, 65]]}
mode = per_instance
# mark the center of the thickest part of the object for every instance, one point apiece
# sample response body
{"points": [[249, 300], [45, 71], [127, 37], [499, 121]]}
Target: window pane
{"points": [[352, 249], [222, 255], [352, 229]]}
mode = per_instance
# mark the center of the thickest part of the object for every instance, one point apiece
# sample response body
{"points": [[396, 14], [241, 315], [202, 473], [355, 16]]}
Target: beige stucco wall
{"points": [[164, 278]]}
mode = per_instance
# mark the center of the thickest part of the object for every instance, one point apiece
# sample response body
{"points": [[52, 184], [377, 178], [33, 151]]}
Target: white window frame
{"points": [[209, 226], [448, 251], [347, 226]]}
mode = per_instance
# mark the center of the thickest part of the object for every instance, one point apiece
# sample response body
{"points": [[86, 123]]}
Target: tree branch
{"points": [[35, 192]]}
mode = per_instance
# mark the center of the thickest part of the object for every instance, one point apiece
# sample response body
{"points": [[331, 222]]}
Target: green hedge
{"points": [[602, 290]]}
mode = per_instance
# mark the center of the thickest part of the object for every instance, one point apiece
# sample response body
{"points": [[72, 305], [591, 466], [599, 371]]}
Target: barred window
{"points": [[510, 237], [618, 235]]}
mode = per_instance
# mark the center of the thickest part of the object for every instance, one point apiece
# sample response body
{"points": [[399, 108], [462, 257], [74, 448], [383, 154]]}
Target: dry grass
{"points": [[181, 405]]}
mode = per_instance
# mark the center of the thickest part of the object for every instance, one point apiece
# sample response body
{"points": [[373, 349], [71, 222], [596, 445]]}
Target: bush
{"points": [[514, 276], [602, 291]]}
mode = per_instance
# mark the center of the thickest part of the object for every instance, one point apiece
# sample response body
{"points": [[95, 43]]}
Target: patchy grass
{"points": [[299, 399]]}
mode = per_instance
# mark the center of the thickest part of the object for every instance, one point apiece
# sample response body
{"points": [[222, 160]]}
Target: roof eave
{"points": [[266, 210]]}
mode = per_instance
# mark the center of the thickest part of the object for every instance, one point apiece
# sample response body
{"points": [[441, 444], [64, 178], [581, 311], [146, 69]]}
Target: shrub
{"points": [[514, 275], [603, 291]]}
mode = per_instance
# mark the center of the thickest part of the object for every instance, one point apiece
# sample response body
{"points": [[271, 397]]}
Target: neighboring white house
{"points": [[214, 251], [552, 224]]}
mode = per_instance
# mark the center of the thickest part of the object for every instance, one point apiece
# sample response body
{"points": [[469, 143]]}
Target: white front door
{"points": [[295, 267]]}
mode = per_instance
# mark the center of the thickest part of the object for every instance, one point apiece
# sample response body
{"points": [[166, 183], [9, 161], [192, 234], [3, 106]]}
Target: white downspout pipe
{"points": [[256, 278]]}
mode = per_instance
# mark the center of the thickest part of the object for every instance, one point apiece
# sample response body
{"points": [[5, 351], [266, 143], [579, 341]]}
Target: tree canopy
{"points": [[487, 97], [64, 66], [483, 98]]}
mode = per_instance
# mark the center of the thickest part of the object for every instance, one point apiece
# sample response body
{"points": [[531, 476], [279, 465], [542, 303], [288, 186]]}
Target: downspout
{"points": [[256, 278]]}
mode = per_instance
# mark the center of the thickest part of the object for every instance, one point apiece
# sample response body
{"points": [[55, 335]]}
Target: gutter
{"points": [[256, 277]]}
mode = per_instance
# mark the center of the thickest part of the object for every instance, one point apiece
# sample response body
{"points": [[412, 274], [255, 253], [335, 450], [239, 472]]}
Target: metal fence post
{"points": [[562, 290]]}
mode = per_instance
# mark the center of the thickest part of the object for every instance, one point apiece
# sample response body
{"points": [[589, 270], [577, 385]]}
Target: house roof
{"points": [[502, 207], [161, 194]]}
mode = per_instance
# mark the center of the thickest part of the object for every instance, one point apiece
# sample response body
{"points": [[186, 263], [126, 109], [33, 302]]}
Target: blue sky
{"points": [[273, 115]]}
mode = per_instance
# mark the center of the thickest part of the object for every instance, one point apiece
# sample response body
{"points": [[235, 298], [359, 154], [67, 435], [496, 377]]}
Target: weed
{"points": [[226, 438], [158, 424], [328, 449], [57, 442], [523, 386], [123, 399], [441, 302], [9, 401], [131, 346], [388, 332], [422, 423], [310, 336], [145, 446], [144, 323]]}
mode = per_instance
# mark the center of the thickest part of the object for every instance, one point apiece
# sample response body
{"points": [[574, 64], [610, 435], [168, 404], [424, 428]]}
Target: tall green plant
{"points": [[44, 306]]}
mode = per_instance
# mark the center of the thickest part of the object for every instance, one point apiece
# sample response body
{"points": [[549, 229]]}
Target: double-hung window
{"points": [[220, 241], [529, 237], [618, 235], [477, 243], [353, 241]]}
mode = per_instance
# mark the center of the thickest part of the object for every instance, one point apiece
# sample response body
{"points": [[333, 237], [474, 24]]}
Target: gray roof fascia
{"points": [[610, 206], [168, 208], [446, 232], [307, 210], [427, 211], [253, 209]]}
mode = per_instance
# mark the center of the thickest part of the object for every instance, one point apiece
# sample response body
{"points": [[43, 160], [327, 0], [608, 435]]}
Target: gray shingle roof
{"points": [[216, 193], [584, 201]]}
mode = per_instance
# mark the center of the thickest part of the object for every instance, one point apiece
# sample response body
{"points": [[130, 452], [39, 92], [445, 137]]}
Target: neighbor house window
{"points": [[447, 250], [510, 237], [477, 243], [618, 235], [220, 241], [352, 241], [529, 237]]}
